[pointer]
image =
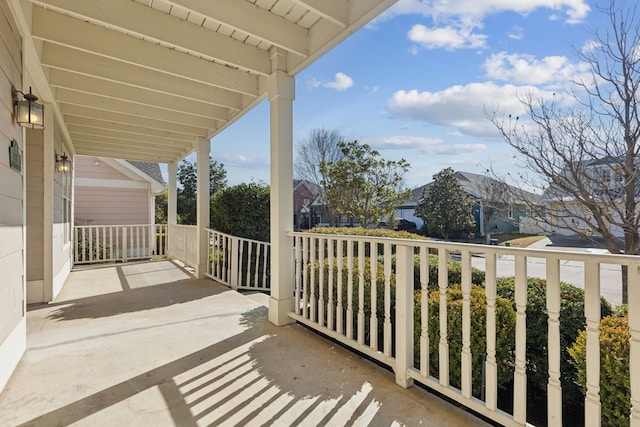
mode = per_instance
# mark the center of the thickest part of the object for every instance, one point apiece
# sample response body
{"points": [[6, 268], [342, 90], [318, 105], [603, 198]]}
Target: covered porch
{"points": [[148, 344]]}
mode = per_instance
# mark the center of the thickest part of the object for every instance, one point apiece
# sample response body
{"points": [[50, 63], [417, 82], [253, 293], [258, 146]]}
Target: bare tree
{"points": [[320, 145], [585, 158]]}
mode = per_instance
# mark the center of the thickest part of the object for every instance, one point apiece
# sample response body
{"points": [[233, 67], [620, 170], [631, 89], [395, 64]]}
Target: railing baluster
{"points": [[554, 387], [298, 285], [465, 359], [91, 254], [103, 237], [374, 297], [312, 279], [387, 301], [330, 281], [443, 345], [361, 253], [321, 263], [350, 244], [305, 279], [256, 270], [491, 368], [339, 308], [424, 311], [520, 374], [592, 410]]}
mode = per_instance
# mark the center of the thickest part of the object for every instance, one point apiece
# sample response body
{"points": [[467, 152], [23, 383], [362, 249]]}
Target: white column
{"points": [[281, 95], [203, 205], [172, 207], [48, 193]]}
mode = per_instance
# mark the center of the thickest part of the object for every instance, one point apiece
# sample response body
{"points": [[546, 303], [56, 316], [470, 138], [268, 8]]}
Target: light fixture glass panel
{"points": [[30, 114]]}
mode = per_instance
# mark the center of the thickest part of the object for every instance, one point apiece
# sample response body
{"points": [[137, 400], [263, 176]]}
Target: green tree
{"points": [[242, 211], [161, 206], [363, 185], [188, 180], [445, 206]]}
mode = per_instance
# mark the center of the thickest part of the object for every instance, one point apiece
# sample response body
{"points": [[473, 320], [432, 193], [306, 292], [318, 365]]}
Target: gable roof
{"points": [[150, 168]]}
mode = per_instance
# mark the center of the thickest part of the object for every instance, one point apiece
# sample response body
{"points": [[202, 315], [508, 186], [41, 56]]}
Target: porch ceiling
{"points": [[147, 79]]}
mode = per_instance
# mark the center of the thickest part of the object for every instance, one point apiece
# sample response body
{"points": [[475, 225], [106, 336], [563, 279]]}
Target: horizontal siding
{"points": [[84, 167], [10, 182], [111, 206], [11, 211]]}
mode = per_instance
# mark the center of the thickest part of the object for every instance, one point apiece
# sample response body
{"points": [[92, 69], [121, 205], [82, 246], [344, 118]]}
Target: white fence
{"points": [[378, 318], [183, 244], [118, 243], [237, 262]]}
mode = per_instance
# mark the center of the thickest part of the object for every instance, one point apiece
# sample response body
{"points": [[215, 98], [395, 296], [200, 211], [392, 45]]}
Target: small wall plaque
{"points": [[15, 157]]}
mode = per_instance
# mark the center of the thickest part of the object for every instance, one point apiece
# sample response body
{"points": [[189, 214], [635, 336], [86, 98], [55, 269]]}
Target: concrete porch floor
{"points": [[148, 345]]}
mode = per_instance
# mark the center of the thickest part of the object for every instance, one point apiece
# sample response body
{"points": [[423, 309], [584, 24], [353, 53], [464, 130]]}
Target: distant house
{"points": [[115, 192], [307, 204], [496, 209], [604, 182]]}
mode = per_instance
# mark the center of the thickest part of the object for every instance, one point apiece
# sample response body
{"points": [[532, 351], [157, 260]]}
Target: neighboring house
{"points": [[605, 184], [115, 192], [505, 213], [307, 204]]}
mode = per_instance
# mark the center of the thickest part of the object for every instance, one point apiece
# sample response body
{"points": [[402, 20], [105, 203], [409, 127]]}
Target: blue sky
{"points": [[415, 83]]}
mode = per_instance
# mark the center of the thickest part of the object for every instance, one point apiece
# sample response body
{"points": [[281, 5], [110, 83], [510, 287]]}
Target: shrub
{"points": [[614, 368], [572, 321], [369, 232], [242, 211], [505, 335]]}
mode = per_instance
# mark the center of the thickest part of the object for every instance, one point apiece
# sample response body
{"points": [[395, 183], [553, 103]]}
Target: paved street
{"points": [[570, 271]]}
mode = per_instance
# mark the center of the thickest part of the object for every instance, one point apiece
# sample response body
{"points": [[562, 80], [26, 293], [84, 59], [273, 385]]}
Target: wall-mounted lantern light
{"points": [[29, 113], [63, 164]]}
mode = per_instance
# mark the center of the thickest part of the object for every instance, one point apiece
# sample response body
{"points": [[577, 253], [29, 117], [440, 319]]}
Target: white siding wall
{"points": [[12, 217], [105, 196]]}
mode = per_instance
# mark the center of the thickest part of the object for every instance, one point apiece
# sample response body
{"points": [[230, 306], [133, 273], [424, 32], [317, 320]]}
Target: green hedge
{"points": [[505, 335], [615, 391]]}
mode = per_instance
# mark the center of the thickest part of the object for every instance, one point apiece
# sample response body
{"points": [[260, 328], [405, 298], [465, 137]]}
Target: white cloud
{"points": [[242, 161], [341, 82], [446, 37], [573, 11], [526, 69], [464, 108], [516, 33], [432, 146]]}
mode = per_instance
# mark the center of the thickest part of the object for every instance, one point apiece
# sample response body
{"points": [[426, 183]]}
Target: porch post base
{"points": [[200, 271], [279, 310]]}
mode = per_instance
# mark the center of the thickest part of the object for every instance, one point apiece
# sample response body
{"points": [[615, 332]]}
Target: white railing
{"points": [[118, 243], [183, 244], [238, 262], [378, 318]]}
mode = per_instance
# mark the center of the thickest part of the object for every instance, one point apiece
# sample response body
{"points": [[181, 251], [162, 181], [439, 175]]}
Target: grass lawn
{"points": [[522, 242], [515, 240]]}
